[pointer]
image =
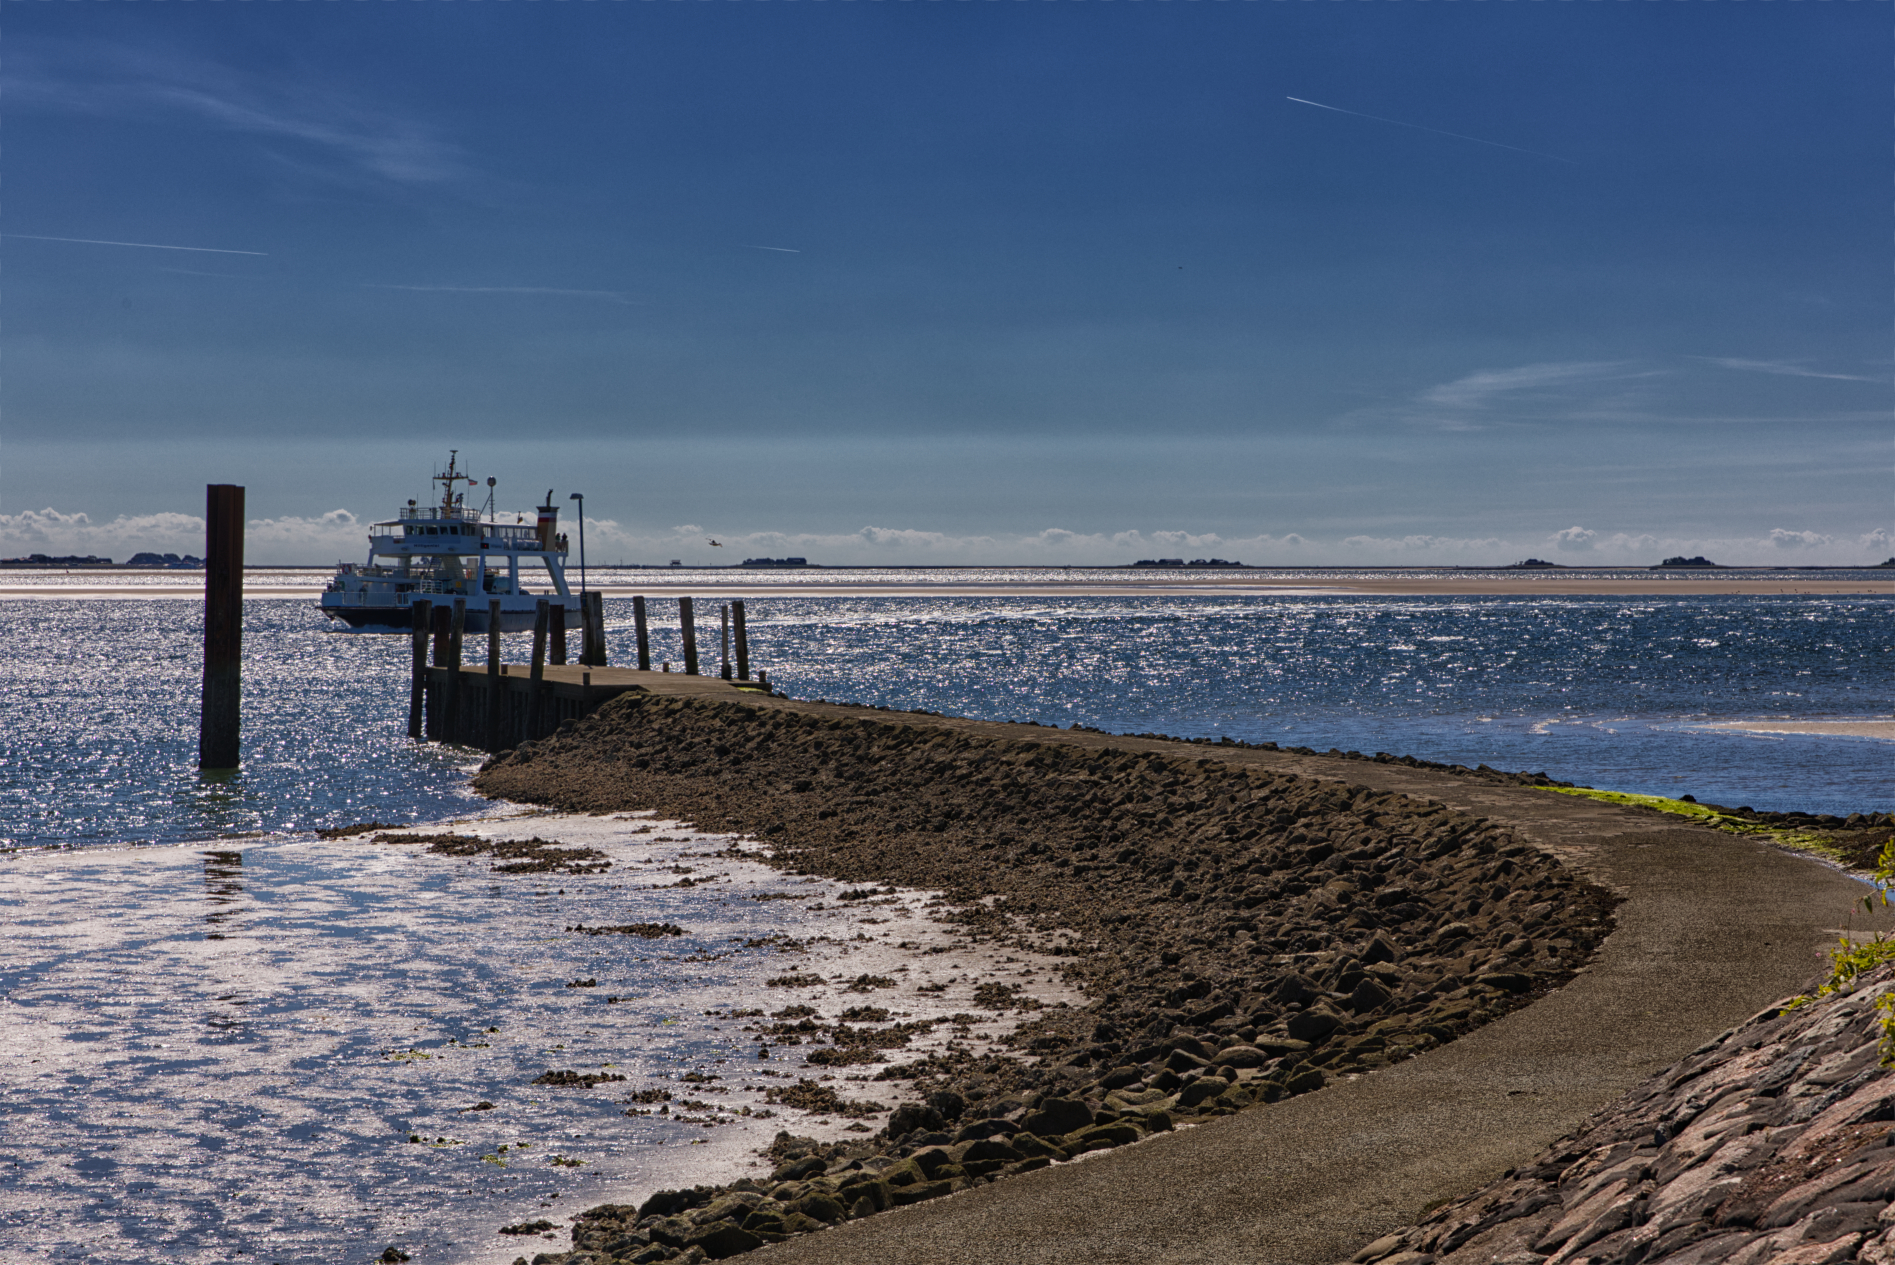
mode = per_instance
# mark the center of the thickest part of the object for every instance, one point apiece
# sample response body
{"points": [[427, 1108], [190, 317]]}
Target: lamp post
{"points": [[581, 498]]}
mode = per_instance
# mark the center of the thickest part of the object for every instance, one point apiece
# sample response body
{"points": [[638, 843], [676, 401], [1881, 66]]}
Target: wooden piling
{"points": [[644, 638], [422, 614], [595, 628], [442, 630], [743, 640], [542, 620], [221, 714], [556, 644], [724, 637], [451, 694], [494, 680], [688, 616]]}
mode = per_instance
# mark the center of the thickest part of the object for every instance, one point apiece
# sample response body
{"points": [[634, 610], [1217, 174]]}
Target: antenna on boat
{"points": [[490, 495]]}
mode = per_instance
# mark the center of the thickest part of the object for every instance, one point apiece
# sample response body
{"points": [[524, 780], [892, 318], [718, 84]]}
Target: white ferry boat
{"points": [[439, 552]]}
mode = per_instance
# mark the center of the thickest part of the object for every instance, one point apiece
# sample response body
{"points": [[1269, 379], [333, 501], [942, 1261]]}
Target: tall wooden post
{"points": [[743, 640], [451, 695], [556, 634], [422, 614], [443, 629], [495, 700], [598, 629], [688, 617], [724, 637], [644, 637], [220, 718], [542, 620]]}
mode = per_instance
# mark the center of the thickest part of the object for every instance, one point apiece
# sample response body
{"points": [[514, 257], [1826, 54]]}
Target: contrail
{"points": [[784, 249], [93, 241], [1437, 131]]}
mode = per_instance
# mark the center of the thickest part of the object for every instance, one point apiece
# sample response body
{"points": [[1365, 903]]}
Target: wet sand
{"points": [[1883, 729]]}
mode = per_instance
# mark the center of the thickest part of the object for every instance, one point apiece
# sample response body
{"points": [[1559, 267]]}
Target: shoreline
{"points": [[1334, 937]]}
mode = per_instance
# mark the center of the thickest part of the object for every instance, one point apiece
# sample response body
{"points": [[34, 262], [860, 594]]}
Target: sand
{"points": [[1883, 729]]}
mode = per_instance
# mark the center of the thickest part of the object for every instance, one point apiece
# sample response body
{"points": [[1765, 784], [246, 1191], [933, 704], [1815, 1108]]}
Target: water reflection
{"points": [[223, 872]]}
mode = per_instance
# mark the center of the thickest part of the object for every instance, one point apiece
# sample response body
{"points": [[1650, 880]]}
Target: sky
{"points": [[1071, 282]]}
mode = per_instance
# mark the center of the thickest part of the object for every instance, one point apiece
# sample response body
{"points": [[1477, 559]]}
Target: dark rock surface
{"points": [[1773, 1144], [1248, 935]]}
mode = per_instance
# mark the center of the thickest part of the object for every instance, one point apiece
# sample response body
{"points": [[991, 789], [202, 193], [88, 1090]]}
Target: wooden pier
{"points": [[497, 706], [470, 717]]}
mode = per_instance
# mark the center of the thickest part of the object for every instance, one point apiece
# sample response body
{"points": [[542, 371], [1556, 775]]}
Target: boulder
{"points": [[1057, 1116], [1242, 1056], [1313, 1024]]}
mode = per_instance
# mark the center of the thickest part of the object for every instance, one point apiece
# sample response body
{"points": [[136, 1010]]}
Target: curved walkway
{"points": [[1714, 927]]}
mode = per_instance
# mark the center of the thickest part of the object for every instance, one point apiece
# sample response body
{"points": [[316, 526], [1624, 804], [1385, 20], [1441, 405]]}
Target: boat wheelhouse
{"points": [[448, 550]]}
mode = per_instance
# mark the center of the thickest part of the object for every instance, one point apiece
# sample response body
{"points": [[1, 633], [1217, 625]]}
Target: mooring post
{"points": [[220, 717], [743, 640], [688, 617], [443, 629], [542, 620], [422, 613], [556, 643], [494, 680], [451, 696], [592, 614], [724, 637], [443, 617], [644, 638]]}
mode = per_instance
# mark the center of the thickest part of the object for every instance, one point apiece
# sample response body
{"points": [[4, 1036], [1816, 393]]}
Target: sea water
{"points": [[100, 697], [219, 1031]]}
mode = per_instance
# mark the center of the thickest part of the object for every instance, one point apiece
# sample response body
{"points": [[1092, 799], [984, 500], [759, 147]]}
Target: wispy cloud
{"points": [[94, 241], [782, 250], [1437, 131], [1490, 398], [610, 296], [321, 129], [1786, 368]]}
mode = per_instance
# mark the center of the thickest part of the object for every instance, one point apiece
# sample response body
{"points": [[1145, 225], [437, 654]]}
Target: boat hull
{"points": [[392, 619]]}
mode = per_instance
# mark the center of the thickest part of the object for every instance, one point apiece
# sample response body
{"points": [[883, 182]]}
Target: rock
{"points": [[911, 1116], [821, 1207], [1313, 1024], [1368, 995], [1242, 1056], [1507, 981], [1099, 1138], [724, 1239], [1057, 1116]]}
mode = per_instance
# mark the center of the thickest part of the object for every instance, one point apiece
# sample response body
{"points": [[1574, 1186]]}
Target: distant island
{"points": [[167, 561], [772, 562], [1180, 562], [63, 560], [1681, 561], [1530, 563]]}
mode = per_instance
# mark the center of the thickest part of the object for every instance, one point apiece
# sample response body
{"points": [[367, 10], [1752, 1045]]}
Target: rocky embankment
{"points": [[1773, 1144], [1244, 934]]}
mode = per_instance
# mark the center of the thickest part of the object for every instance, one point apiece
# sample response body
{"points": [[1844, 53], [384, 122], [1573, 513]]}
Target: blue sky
{"points": [[945, 282]]}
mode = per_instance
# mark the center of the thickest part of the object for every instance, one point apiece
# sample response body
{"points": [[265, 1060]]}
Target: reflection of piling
{"points": [[688, 617], [724, 638], [542, 620], [220, 718], [423, 616], [494, 697], [743, 641], [644, 639], [556, 634]]}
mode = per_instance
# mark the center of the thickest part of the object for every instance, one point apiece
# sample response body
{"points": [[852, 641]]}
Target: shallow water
{"points": [[100, 697], [1604, 691], [212, 1055]]}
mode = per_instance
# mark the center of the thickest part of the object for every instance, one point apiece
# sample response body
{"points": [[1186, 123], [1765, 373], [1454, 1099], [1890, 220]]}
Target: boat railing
{"points": [[462, 513]]}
